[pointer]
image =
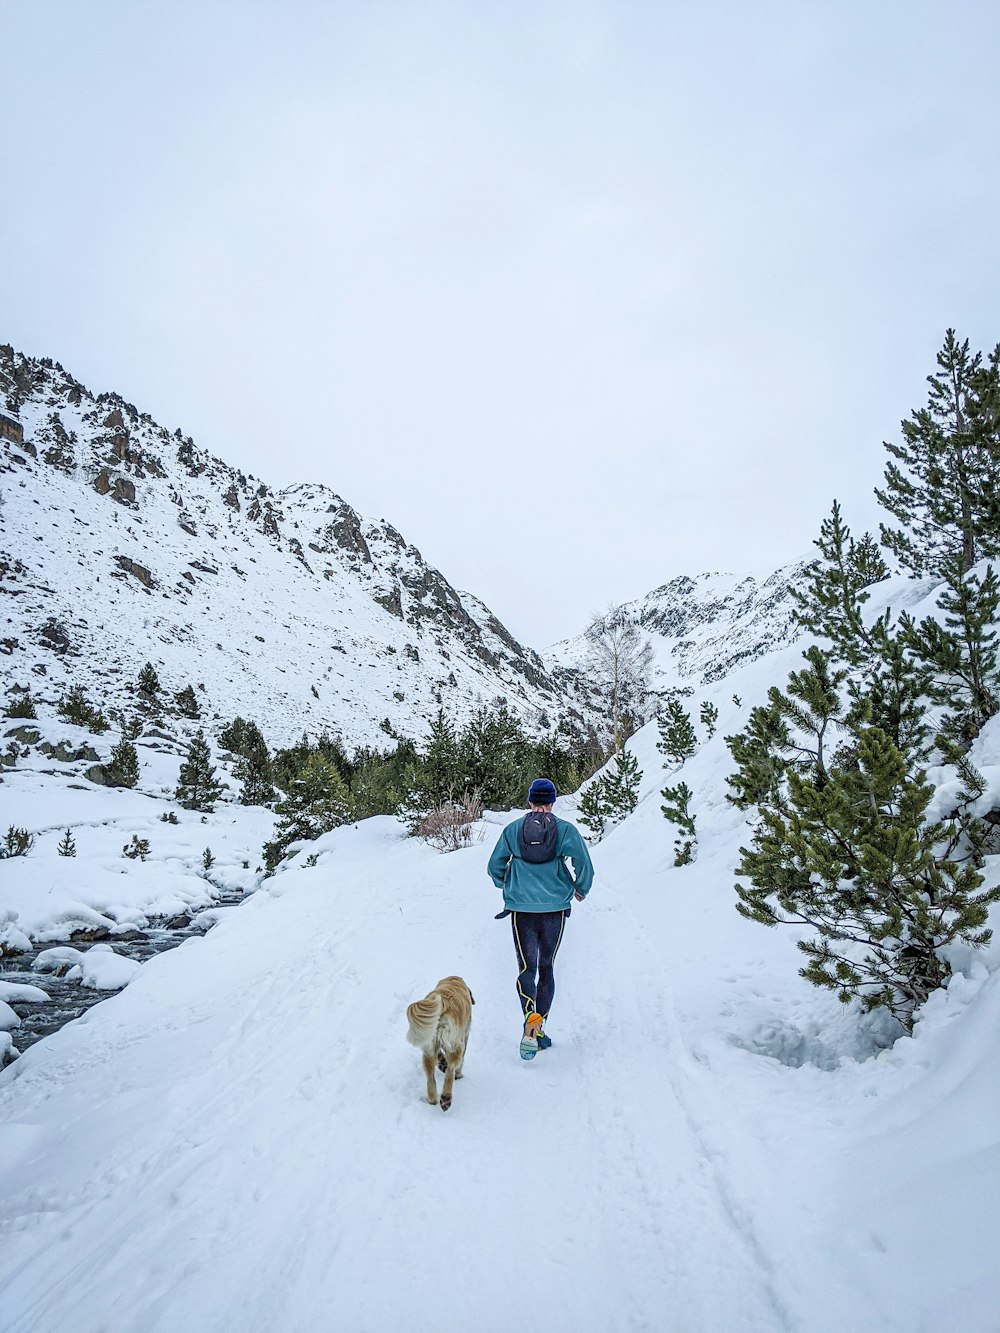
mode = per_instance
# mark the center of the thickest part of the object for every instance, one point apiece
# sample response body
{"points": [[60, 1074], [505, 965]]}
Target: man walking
{"points": [[529, 864]]}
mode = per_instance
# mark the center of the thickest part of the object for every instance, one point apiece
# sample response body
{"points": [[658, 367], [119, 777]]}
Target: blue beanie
{"points": [[542, 792]]}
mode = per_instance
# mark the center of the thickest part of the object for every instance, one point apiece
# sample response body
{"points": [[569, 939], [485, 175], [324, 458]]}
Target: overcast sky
{"points": [[579, 296]]}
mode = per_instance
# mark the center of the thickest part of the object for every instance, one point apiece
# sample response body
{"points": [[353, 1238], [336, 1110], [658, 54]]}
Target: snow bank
{"points": [[45, 896]]}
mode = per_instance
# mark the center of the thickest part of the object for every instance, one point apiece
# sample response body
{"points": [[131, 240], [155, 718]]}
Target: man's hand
{"points": [[578, 896]]}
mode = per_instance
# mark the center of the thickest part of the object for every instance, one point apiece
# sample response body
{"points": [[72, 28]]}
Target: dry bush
{"points": [[451, 825]]}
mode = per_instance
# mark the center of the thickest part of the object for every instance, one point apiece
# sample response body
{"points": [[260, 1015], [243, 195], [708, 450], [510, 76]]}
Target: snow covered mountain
{"points": [[703, 627], [121, 543]]}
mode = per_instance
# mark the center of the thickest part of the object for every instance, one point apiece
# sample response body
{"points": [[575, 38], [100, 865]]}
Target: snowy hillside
{"points": [[237, 1141], [701, 628], [121, 543]]}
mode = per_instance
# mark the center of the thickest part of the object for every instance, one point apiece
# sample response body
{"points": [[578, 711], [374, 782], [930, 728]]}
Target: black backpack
{"points": [[537, 837]]}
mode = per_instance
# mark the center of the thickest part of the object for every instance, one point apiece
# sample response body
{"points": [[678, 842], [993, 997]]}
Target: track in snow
{"points": [[238, 1143]]}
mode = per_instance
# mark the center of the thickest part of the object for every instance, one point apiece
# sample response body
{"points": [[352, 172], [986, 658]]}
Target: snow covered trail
{"points": [[237, 1142]]}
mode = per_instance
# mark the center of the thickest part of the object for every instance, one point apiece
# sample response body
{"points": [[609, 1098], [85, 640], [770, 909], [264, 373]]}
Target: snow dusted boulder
{"points": [[8, 1019], [12, 937], [11, 990], [58, 961], [8, 1051], [100, 968]]}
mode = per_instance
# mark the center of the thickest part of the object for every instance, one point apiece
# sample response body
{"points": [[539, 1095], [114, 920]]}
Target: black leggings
{"points": [[537, 936]]}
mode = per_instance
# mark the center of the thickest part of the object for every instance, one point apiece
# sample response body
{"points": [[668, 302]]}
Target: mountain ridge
{"points": [[158, 540]]}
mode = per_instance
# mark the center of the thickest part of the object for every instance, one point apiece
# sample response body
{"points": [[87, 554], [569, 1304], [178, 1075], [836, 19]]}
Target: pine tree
{"points": [[493, 755], [20, 704], [16, 842], [67, 847], [148, 682], [893, 693], [130, 727], [187, 702], [317, 801], [942, 483], [962, 652], [207, 860], [621, 785], [811, 704], [709, 718], [197, 788], [677, 735], [594, 810], [442, 770], [834, 589], [234, 735], [887, 685], [853, 858], [760, 751], [676, 809], [866, 563], [74, 707], [122, 769], [254, 772]]}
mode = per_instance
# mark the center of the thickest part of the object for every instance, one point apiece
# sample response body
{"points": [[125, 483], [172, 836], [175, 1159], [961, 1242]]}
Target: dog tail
{"points": [[423, 1017]]}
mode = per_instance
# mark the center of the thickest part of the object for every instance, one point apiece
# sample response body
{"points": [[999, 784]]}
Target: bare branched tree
{"points": [[620, 661]]}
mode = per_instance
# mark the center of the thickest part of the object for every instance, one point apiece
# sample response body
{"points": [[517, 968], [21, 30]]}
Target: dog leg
{"points": [[454, 1061], [461, 1059], [432, 1092], [442, 1063]]}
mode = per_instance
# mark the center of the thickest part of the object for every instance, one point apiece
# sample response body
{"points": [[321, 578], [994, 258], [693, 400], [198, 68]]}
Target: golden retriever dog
{"points": [[439, 1025]]}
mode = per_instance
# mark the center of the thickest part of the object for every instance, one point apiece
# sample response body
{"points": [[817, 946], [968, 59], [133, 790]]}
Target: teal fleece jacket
{"points": [[548, 887]]}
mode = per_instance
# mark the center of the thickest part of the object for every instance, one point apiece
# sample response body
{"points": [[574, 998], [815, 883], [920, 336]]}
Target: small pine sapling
{"points": [[20, 704], [621, 785], [16, 842], [709, 718], [137, 849], [207, 859], [67, 847], [677, 736], [593, 809], [677, 810], [168, 817]]}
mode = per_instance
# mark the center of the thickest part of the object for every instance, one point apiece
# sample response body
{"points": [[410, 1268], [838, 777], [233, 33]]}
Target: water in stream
{"points": [[68, 999]]}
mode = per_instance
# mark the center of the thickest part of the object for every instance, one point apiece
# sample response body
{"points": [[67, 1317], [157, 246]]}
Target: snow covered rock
{"points": [[100, 968]]}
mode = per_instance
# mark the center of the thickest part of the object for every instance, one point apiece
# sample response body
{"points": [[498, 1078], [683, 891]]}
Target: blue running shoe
{"points": [[544, 1042], [529, 1041]]}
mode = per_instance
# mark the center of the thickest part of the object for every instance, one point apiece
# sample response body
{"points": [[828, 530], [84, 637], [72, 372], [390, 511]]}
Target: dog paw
{"points": [[442, 1063], [445, 1103], [432, 1101]]}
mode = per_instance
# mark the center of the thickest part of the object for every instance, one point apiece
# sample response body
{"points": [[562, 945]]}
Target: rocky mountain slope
{"points": [[703, 627], [121, 542]]}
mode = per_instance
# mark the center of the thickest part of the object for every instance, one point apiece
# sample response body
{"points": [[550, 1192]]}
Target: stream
{"points": [[69, 999]]}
